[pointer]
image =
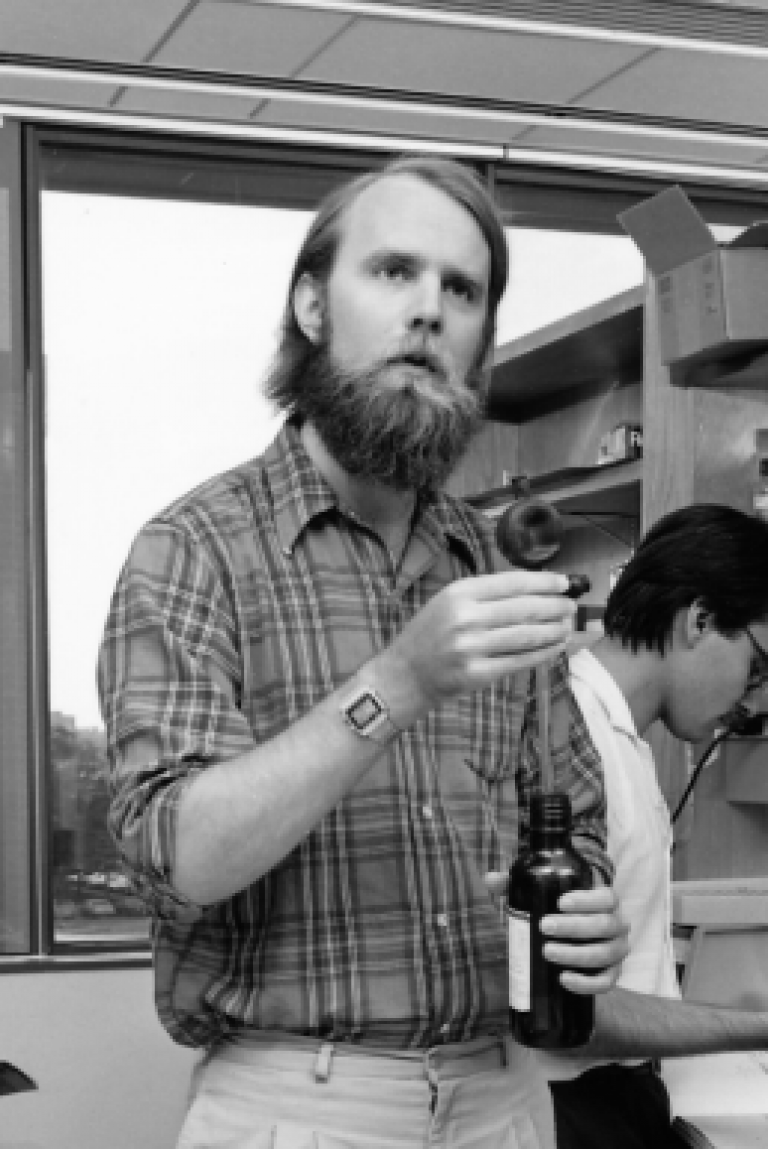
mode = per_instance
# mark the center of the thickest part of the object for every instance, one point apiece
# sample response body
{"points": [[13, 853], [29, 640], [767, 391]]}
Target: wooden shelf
{"points": [[746, 371], [593, 348], [613, 489]]}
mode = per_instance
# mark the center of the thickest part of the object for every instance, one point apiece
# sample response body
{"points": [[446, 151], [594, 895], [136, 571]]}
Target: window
{"points": [[553, 273], [141, 288], [159, 322]]}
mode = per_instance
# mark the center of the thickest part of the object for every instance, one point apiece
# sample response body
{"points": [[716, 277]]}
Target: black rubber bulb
{"points": [[529, 534]]}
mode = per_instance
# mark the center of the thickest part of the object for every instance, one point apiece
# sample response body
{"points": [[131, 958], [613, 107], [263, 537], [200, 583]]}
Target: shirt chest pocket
{"points": [[488, 729]]}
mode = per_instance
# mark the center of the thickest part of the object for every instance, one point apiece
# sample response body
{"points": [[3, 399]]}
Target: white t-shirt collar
{"points": [[586, 666]]}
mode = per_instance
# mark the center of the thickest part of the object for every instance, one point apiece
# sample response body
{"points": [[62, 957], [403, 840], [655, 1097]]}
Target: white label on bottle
{"points": [[519, 961]]}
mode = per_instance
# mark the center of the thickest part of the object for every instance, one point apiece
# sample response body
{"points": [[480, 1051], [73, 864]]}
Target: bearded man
{"points": [[312, 679]]}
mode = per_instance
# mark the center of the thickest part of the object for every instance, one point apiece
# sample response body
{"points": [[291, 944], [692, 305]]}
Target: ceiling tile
{"points": [[190, 104], [109, 30], [420, 57], [249, 38], [690, 85], [412, 124]]}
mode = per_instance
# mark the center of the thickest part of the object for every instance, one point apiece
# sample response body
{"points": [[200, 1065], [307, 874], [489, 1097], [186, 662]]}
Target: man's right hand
{"points": [[474, 632]]}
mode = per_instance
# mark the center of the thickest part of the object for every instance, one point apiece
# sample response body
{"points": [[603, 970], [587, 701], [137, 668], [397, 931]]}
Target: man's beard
{"points": [[404, 422]]}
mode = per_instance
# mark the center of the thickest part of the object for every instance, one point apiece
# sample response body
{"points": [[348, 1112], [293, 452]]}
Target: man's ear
{"points": [[309, 307], [698, 622]]}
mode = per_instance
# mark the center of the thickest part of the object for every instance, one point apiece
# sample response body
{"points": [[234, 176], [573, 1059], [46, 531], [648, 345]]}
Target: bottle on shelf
{"points": [[544, 1014]]}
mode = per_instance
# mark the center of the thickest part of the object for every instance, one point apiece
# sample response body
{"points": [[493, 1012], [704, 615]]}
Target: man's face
{"points": [[409, 286], [394, 387], [720, 673]]}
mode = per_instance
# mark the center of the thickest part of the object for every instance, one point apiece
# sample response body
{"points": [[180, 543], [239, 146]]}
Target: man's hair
{"points": [[708, 553], [318, 252]]}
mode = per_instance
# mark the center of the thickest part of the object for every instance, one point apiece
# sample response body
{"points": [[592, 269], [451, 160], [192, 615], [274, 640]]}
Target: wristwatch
{"points": [[366, 712]]}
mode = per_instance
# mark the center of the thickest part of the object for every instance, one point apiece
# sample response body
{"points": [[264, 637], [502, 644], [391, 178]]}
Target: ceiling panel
{"points": [[415, 124], [110, 30], [161, 102], [418, 57], [620, 144], [695, 86], [249, 38]]}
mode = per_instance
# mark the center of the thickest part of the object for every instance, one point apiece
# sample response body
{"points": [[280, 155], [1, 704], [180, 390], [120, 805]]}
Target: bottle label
{"points": [[519, 961]]}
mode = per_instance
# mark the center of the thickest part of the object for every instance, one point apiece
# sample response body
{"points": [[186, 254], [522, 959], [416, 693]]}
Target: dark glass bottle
{"points": [[542, 1013]]}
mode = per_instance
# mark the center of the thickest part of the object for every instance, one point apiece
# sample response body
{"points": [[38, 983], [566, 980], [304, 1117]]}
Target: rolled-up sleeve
{"points": [[576, 766], [170, 686]]}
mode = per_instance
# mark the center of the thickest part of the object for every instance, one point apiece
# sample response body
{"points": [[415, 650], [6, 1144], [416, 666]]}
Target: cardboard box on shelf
{"points": [[625, 441], [712, 299]]}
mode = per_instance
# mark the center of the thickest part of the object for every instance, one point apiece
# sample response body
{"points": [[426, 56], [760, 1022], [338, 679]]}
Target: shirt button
{"points": [[445, 1029], [427, 812], [442, 920]]}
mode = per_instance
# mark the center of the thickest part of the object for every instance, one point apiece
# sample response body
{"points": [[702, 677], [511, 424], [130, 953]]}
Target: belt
{"points": [[320, 1059]]}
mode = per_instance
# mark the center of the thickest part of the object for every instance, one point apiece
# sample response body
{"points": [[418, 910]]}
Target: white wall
{"points": [[108, 1076]]}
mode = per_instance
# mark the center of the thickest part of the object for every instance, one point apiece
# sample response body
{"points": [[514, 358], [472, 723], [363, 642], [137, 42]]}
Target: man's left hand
{"points": [[588, 936], [589, 939]]}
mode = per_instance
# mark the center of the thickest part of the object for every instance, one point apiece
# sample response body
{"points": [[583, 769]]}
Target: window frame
{"points": [[516, 190]]}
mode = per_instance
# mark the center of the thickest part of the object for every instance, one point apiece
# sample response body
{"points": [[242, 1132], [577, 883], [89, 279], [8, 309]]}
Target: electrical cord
{"points": [[699, 767], [743, 722]]}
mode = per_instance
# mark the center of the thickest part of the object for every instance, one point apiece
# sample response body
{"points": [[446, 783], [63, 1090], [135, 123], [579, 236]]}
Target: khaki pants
{"points": [[270, 1091]]}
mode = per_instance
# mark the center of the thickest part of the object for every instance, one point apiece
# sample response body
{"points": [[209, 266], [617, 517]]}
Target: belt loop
{"points": [[323, 1062], [504, 1051]]}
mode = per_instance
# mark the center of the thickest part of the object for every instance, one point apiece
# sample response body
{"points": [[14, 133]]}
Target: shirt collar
{"points": [[300, 492], [591, 670]]}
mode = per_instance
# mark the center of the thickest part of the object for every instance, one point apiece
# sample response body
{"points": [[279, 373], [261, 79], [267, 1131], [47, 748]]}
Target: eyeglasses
{"points": [[758, 670]]}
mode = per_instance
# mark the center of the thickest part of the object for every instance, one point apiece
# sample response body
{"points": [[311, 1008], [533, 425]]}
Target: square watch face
{"points": [[365, 711]]}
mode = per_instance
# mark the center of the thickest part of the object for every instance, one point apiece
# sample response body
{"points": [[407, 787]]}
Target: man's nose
{"points": [[427, 304]]}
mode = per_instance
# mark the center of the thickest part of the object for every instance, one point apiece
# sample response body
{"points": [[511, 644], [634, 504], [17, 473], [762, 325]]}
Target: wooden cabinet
{"points": [[554, 393]]}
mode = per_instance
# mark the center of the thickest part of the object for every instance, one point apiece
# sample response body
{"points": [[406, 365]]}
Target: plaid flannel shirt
{"points": [[238, 609]]}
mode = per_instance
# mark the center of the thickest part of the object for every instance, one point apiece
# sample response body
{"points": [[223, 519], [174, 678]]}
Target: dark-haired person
{"points": [[314, 678], [686, 644]]}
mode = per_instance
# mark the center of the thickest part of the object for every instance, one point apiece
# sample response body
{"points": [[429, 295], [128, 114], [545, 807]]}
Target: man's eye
{"points": [[462, 290], [394, 272]]}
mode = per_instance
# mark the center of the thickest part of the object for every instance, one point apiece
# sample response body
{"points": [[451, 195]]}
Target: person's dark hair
{"points": [[318, 251], [708, 553]]}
